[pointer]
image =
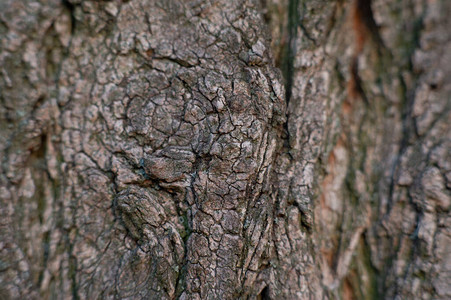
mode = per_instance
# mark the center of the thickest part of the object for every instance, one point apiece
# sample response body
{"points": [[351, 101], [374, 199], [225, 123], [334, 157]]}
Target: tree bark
{"points": [[272, 149]]}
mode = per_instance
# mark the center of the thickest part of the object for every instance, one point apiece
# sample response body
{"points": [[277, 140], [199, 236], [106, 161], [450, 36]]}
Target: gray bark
{"points": [[273, 149]]}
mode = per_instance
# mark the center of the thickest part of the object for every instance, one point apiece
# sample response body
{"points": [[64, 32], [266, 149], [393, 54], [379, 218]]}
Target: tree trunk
{"points": [[272, 149]]}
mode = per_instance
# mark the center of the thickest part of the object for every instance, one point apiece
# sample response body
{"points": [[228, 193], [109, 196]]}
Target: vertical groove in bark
{"points": [[289, 53]]}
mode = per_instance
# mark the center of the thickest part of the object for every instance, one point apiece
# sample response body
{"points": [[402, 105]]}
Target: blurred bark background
{"points": [[249, 149]]}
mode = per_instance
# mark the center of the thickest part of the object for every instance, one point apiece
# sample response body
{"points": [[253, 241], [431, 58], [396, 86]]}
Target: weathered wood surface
{"points": [[273, 149]]}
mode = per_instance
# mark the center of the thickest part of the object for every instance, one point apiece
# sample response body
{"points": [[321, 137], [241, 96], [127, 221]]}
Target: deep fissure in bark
{"points": [[289, 51]]}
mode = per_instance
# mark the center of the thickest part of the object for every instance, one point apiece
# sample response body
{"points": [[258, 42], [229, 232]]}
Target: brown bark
{"points": [[273, 149]]}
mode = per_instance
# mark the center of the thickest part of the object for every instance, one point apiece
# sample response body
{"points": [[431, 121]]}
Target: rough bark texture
{"points": [[272, 149]]}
